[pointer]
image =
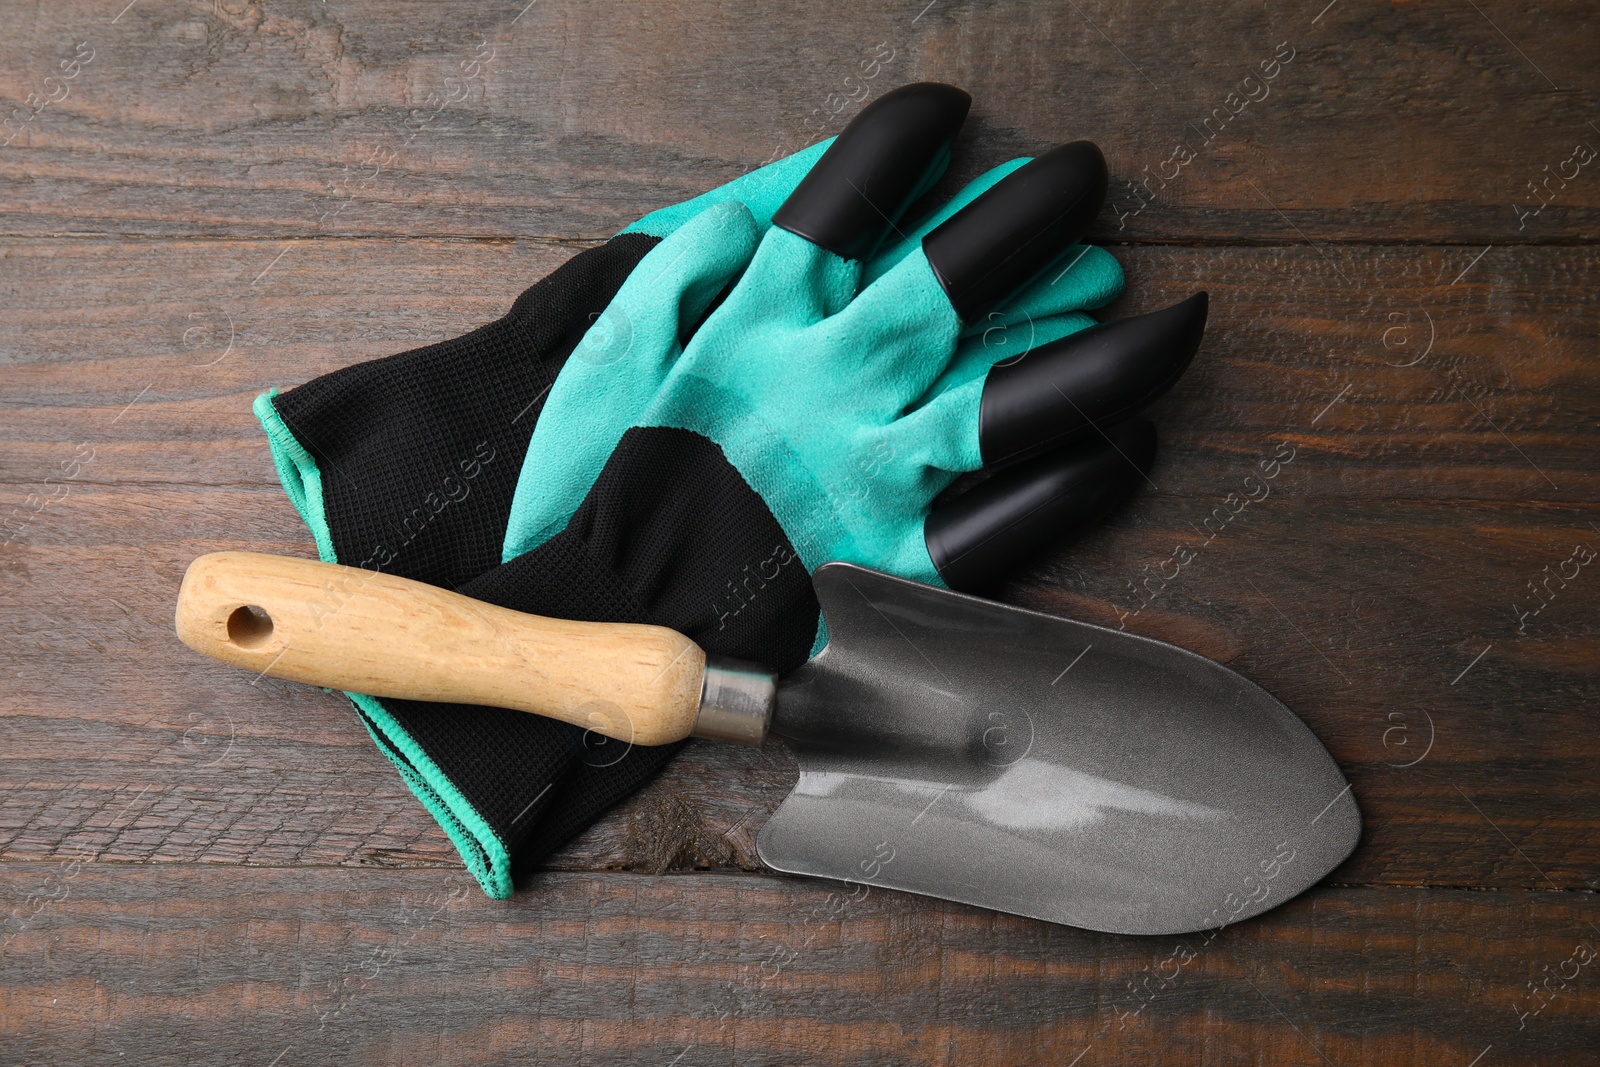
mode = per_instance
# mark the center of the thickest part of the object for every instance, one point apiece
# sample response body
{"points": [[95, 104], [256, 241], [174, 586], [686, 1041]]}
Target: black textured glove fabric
{"points": [[419, 452]]}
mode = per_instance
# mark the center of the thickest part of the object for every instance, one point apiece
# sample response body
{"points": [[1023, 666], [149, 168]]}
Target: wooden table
{"points": [[1395, 209]]}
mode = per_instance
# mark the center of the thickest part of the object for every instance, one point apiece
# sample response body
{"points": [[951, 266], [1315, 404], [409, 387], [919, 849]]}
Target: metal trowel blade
{"points": [[982, 753]]}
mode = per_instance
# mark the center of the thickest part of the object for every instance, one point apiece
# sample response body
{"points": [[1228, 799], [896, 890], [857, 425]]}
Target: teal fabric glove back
{"points": [[847, 393]]}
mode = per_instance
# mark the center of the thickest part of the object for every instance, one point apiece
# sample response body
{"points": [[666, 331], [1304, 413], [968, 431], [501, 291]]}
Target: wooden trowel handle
{"points": [[368, 632]]}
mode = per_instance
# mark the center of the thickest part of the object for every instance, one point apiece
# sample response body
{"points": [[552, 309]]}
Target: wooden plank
{"points": [[1389, 554], [1378, 122], [168, 965], [1373, 355]]}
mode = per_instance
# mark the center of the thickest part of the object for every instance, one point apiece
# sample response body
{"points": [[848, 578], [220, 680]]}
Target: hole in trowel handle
{"points": [[249, 626]]}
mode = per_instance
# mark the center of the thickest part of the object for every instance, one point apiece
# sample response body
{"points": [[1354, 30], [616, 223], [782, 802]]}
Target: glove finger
{"points": [[1091, 277], [790, 282], [674, 285], [961, 384], [1001, 242], [620, 366], [982, 537], [942, 427], [889, 155], [911, 240], [1020, 229], [1060, 391], [988, 410], [979, 351], [1046, 312]]}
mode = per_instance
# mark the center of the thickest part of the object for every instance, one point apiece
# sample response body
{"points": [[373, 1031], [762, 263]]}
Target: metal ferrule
{"points": [[736, 702]]}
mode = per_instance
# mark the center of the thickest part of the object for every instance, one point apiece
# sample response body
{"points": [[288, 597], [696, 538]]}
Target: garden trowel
{"points": [[948, 745]]}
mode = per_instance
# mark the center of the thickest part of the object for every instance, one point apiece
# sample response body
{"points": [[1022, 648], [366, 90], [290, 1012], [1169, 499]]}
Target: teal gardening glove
{"points": [[844, 394]]}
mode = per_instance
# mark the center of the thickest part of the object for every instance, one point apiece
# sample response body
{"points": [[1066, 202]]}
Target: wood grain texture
{"points": [[569, 120], [232, 196], [180, 965], [150, 352]]}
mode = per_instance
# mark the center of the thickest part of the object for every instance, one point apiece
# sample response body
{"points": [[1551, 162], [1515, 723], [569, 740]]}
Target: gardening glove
{"points": [[810, 417], [844, 407], [406, 465]]}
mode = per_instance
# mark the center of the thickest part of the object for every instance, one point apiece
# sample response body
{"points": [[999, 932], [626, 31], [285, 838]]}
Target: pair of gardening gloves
{"points": [[679, 426]]}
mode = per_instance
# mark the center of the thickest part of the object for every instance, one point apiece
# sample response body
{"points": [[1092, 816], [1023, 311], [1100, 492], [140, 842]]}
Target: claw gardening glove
{"points": [[363, 451], [848, 407]]}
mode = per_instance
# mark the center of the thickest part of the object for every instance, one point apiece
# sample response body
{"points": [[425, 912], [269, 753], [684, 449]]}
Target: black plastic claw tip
{"points": [[1015, 232], [978, 539], [1058, 392], [886, 158]]}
